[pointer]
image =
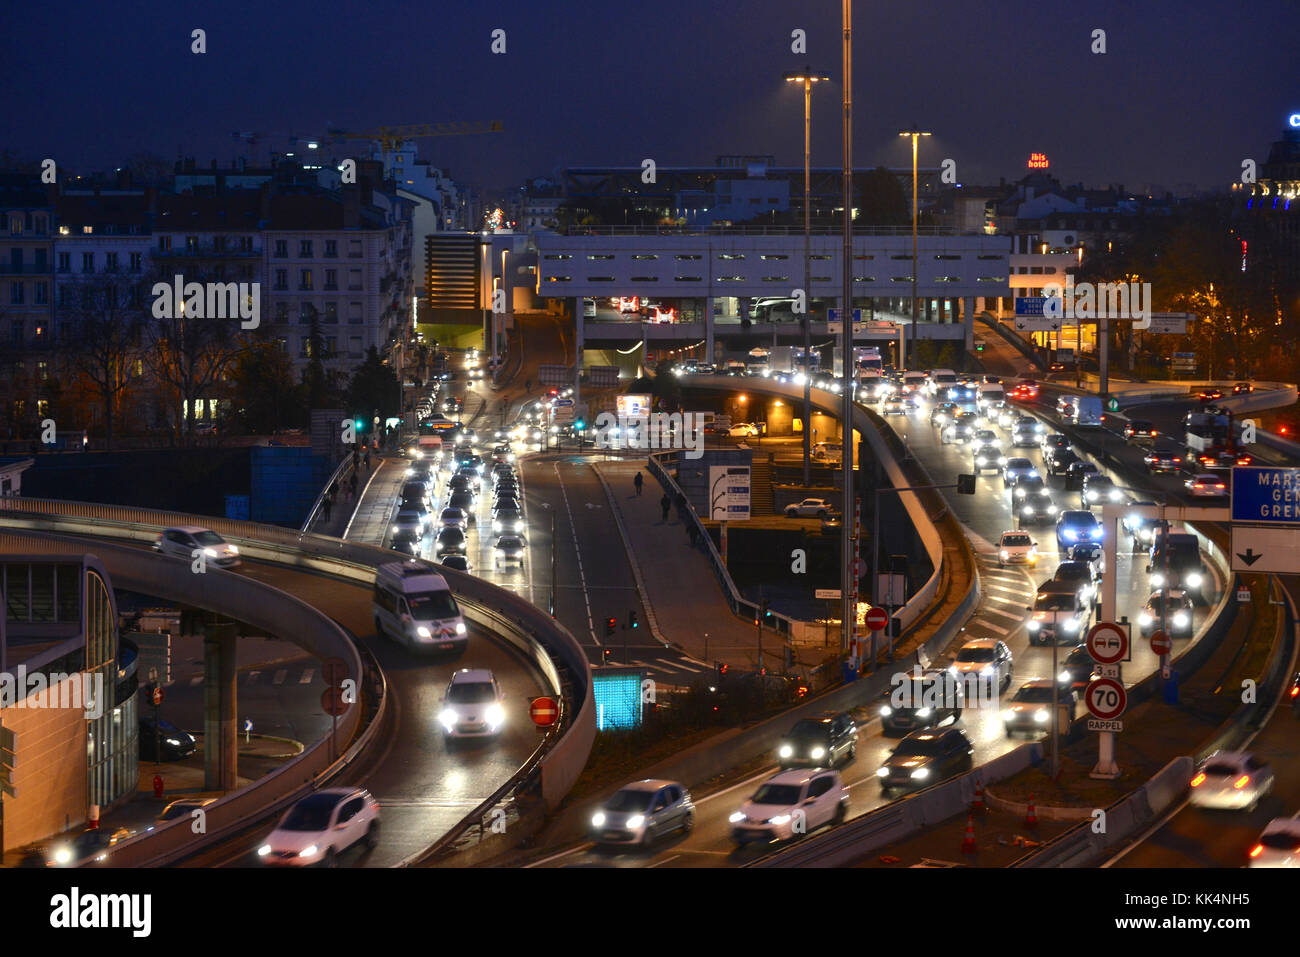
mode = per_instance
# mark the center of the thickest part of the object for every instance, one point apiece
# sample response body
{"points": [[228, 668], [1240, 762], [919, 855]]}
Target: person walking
{"points": [[325, 507], [367, 458], [638, 481], [665, 504], [353, 483]]}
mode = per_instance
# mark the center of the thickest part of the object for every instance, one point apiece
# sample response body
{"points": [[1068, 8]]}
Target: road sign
{"points": [[157, 695], [837, 315], [1160, 643], [334, 670], [1037, 324], [877, 618], [1112, 404], [1265, 549], [1106, 698], [563, 402], [332, 703], [1243, 593], [1265, 495], [1107, 643], [1106, 671], [555, 375], [544, 711], [829, 593], [1097, 724], [1030, 305], [1169, 323], [729, 492]]}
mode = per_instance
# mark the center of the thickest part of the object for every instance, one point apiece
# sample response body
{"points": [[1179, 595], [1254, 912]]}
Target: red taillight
{"points": [[1295, 691], [1241, 782], [1198, 780], [1257, 850]]}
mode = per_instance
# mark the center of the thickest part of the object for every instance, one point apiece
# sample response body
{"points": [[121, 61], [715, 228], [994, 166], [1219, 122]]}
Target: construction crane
{"points": [[254, 138], [392, 137]]}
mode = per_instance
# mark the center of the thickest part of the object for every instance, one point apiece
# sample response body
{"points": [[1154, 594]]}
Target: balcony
{"points": [[26, 269]]}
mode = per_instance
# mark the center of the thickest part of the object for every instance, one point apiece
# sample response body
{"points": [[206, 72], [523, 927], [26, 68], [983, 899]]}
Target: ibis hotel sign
{"points": [[1038, 161]]}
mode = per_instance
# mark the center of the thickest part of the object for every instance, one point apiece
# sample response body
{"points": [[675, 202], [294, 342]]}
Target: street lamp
{"points": [[807, 79], [915, 134], [848, 567]]}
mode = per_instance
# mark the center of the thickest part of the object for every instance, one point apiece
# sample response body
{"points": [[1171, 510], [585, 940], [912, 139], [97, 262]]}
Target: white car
{"points": [[809, 508], [472, 707], [743, 429], [322, 826], [988, 658], [1205, 485], [1231, 780], [1017, 548], [184, 540], [790, 804], [1278, 846]]}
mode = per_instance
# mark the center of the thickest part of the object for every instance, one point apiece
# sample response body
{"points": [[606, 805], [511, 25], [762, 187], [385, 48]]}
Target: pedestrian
{"points": [[665, 503], [367, 458], [353, 483], [334, 488], [325, 507], [638, 481]]}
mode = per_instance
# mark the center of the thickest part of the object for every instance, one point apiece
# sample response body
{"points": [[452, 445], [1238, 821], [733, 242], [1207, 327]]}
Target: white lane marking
{"points": [[582, 577], [196, 681], [306, 676], [1008, 601], [665, 860], [683, 666], [1009, 591], [1000, 614], [990, 626], [279, 677], [580, 849]]}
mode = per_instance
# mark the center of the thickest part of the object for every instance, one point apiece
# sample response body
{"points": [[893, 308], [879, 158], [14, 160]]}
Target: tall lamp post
{"points": [[915, 134], [807, 79], [848, 567]]}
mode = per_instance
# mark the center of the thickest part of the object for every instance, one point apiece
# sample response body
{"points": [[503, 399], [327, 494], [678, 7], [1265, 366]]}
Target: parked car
{"points": [[160, 740], [809, 508]]}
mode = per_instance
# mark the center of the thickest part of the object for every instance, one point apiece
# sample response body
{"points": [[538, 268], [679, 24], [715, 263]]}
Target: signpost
{"points": [[1169, 323], [837, 315], [1160, 643], [1108, 644], [729, 492], [1265, 515], [1106, 698], [544, 711], [1243, 593], [877, 618], [1031, 316]]}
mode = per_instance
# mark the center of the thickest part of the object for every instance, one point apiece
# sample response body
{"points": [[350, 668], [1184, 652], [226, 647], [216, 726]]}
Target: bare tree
{"points": [[101, 339], [191, 357]]}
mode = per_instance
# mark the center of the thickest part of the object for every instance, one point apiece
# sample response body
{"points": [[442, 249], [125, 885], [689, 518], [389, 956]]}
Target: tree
{"points": [[265, 397], [189, 358], [374, 387], [101, 337]]}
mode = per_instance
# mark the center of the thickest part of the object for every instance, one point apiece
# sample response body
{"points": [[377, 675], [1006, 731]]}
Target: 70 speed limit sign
{"points": [[1106, 698]]}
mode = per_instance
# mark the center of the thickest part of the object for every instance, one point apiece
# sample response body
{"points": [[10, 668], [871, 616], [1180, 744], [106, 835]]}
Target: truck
{"points": [[1083, 411], [1213, 438]]}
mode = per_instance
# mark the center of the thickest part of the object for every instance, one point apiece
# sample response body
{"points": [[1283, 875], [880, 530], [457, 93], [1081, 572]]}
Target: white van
{"points": [[589, 308], [941, 379], [414, 605], [992, 396]]}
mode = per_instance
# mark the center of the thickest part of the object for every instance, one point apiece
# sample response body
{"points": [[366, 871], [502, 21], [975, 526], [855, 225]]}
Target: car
{"points": [[453, 517], [959, 429], [508, 550], [1065, 406], [1032, 501], [508, 484], [407, 540], [893, 405], [1091, 554], [1006, 418], [986, 659], [1054, 440], [505, 501], [1078, 669], [1077, 472], [987, 456], [1058, 461], [450, 541], [464, 500], [321, 826], [641, 813], [1242, 388], [743, 430], [1278, 846], [472, 705], [1099, 490], [1176, 563], [809, 508], [1017, 468], [1230, 780], [1209, 395], [1205, 485], [411, 519], [160, 740], [460, 563], [1162, 460], [1076, 525], [192, 541], [1030, 708], [1056, 367], [471, 476], [1017, 548], [923, 699], [943, 413], [508, 520], [1026, 435], [1080, 576], [415, 492], [1222, 458], [1139, 432], [184, 807], [1169, 610], [1141, 528], [791, 804], [823, 741], [925, 757], [1060, 613]]}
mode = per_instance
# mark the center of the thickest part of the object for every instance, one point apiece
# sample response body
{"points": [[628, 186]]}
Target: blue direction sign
{"points": [[833, 315], [1030, 305], [1266, 496]]}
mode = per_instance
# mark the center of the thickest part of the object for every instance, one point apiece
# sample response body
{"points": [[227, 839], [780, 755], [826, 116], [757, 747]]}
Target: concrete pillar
{"points": [[220, 733], [579, 321], [708, 329], [970, 324], [929, 309]]}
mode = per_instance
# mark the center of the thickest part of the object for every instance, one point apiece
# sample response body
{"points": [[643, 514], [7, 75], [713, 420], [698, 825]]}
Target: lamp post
{"points": [[807, 79], [915, 134], [848, 567]]}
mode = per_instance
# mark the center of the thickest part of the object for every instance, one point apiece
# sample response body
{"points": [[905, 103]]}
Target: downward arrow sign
{"points": [[1251, 556]]}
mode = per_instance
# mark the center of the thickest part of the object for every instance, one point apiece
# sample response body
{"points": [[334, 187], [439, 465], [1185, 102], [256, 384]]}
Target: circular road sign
{"points": [[1106, 699], [1160, 643], [877, 618], [157, 694], [1107, 643], [332, 703], [544, 711], [333, 670]]}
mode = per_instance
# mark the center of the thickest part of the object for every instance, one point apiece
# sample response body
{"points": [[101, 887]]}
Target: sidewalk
{"points": [[683, 598]]}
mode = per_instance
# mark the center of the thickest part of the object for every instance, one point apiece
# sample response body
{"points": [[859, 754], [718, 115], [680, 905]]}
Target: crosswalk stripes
{"points": [[1018, 602], [1000, 614]]}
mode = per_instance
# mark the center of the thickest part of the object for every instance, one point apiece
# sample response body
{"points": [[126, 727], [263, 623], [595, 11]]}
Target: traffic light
{"points": [[722, 668], [611, 625], [966, 484], [605, 655], [632, 623], [579, 425], [979, 346], [360, 424], [765, 611]]}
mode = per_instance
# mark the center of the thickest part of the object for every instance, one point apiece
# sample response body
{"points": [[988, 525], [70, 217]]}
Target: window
{"points": [[731, 279], [304, 346], [643, 256], [645, 278], [774, 256], [42, 294], [598, 256], [689, 279], [944, 256], [42, 370], [65, 297], [15, 225], [191, 244], [776, 279], [305, 312], [555, 256], [331, 278], [110, 262], [137, 262], [820, 786], [354, 280], [558, 278], [820, 256], [15, 294], [332, 312], [600, 279], [331, 345], [354, 313], [87, 262], [281, 312], [304, 279], [304, 249], [864, 278], [687, 257], [354, 249], [282, 249], [219, 243], [164, 244], [245, 244], [133, 297], [65, 262], [731, 256], [282, 279], [331, 249], [87, 229], [354, 345], [17, 335]]}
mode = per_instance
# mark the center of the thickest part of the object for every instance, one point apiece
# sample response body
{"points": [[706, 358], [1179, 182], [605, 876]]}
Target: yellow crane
{"points": [[392, 137]]}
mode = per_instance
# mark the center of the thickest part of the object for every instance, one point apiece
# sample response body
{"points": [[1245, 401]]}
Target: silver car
{"points": [[643, 812]]}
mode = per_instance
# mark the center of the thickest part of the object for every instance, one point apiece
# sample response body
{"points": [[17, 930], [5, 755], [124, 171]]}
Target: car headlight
{"points": [[309, 851], [210, 552], [460, 628], [635, 821], [986, 670], [1002, 460], [394, 529], [1064, 676], [448, 718], [1071, 624], [1009, 714], [1027, 510], [818, 752], [1040, 715], [1051, 510], [736, 817], [1020, 493], [1195, 579], [233, 550], [1004, 554], [264, 850], [1145, 619], [779, 819], [883, 773], [980, 461], [1070, 533], [1157, 580], [495, 716], [423, 632], [174, 742], [1115, 495], [1180, 620], [886, 711], [920, 774], [598, 819], [785, 751], [924, 713], [1031, 625]]}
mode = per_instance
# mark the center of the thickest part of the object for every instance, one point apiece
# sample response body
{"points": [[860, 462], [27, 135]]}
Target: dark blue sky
{"points": [[1187, 89]]}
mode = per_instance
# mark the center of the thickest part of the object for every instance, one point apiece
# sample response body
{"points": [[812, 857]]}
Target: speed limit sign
{"points": [[1106, 698]]}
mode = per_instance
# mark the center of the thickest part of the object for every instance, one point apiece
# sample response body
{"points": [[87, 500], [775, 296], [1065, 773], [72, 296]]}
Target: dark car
{"points": [[464, 500], [1030, 708], [1163, 460], [1080, 577], [1077, 472], [450, 541], [406, 541], [1176, 563], [1168, 609], [1243, 388], [165, 739], [458, 562], [460, 481], [1210, 395], [820, 742], [1077, 669], [921, 701], [1032, 501], [924, 758], [1059, 460], [1139, 431]]}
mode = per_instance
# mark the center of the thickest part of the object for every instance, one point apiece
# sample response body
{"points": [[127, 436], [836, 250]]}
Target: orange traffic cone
{"points": [[1031, 816], [978, 803], [968, 842]]}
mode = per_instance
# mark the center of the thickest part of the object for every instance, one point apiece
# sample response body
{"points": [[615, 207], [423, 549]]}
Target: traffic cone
{"points": [[968, 842], [978, 803], [1031, 816]]}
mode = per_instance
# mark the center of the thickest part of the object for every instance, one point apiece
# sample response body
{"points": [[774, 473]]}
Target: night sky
{"points": [[1187, 89]]}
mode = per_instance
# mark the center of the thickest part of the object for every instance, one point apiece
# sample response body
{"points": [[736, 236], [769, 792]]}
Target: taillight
{"points": [[1257, 850], [1241, 782], [1295, 691], [1198, 780]]}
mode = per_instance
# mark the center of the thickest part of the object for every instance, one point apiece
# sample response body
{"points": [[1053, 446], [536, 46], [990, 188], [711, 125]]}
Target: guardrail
{"points": [[545, 642], [337, 476]]}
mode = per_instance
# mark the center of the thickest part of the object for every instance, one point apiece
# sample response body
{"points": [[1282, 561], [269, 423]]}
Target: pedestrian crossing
{"points": [[277, 677]]}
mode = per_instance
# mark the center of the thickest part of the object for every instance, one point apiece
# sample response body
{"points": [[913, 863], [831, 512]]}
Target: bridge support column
{"points": [[220, 734], [969, 319], [708, 329], [578, 323]]}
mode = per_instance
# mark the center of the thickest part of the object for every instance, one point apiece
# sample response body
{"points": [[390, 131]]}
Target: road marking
{"points": [[1007, 601], [990, 626], [306, 676], [665, 860], [279, 677], [196, 681], [1009, 591], [580, 849], [1002, 614], [582, 577], [684, 667]]}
